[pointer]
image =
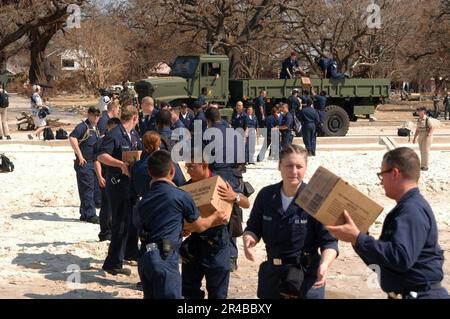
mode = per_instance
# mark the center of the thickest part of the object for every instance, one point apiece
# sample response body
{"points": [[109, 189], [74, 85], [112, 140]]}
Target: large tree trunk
{"points": [[39, 38], [2, 63]]}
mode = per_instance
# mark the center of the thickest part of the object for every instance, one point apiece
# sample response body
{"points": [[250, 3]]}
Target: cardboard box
{"points": [[206, 196], [327, 196], [131, 156], [306, 82]]}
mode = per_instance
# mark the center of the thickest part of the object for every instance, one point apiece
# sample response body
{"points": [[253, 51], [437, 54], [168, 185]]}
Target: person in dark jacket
{"points": [[292, 237], [407, 253]]}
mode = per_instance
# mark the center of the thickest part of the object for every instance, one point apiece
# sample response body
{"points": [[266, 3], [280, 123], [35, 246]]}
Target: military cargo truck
{"points": [[346, 99]]}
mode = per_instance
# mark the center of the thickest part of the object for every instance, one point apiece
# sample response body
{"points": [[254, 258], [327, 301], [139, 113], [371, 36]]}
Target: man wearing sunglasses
{"points": [[407, 253]]}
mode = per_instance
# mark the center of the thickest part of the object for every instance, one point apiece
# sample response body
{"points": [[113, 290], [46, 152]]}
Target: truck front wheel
{"points": [[336, 121]]}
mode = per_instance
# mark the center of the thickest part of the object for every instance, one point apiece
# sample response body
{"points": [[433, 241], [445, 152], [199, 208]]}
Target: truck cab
{"points": [[188, 76]]}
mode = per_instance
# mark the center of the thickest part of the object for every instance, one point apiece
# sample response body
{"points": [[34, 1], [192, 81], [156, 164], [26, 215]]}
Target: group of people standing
{"points": [[149, 220], [306, 111]]}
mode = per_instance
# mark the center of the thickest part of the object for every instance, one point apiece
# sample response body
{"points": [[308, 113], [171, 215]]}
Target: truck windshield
{"points": [[184, 67]]}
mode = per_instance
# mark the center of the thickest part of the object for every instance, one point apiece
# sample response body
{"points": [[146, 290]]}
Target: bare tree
{"points": [[30, 23]]}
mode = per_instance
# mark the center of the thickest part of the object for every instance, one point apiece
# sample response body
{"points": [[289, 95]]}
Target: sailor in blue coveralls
{"points": [[320, 103], [105, 211], [329, 68], [261, 107], [140, 179], [113, 110], [292, 237], [121, 138], [147, 118], [309, 118], [407, 253], [186, 116], [84, 139], [272, 122], [251, 135], [201, 100], [199, 115], [286, 127], [163, 124], [294, 102], [162, 211], [207, 254], [229, 167]]}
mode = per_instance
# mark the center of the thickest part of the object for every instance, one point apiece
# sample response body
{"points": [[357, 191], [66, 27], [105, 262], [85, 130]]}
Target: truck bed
{"points": [[280, 88]]}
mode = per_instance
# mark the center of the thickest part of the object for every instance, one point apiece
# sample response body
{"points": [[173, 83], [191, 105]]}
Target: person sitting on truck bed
{"points": [[329, 68]]}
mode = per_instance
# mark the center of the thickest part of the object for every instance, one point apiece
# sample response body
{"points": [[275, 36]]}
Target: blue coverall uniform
{"points": [[407, 253], [88, 187], [147, 122], [114, 143], [162, 211], [287, 136], [252, 125], [291, 237], [331, 67], [206, 254], [309, 118], [230, 172]]}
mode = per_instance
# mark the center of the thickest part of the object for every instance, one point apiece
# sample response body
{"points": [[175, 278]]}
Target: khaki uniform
{"points": [[424, 140]]}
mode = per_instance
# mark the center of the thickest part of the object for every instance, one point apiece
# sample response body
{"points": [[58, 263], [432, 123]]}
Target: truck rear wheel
{"points": [[336, 122]]}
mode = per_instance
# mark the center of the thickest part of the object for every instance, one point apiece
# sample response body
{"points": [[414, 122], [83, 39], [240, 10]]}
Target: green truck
{"points": [[346, 99]]}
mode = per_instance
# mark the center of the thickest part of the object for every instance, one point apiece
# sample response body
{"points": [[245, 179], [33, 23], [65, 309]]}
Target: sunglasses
{"points": [[380, 174]]}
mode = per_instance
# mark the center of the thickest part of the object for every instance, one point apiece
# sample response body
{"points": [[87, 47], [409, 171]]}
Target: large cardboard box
{"points": [[306, 82], [131, 156], [206, 196], [327, 196]]}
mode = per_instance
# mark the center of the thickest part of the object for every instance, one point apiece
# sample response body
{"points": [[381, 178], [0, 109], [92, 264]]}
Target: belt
{"points": [[413, 291], [306, 259]]}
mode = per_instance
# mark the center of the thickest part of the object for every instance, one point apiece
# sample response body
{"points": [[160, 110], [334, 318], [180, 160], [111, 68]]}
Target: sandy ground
{"points": [[42, 241]]}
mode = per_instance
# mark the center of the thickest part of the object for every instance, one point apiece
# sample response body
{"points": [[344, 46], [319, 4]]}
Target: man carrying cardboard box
{"points": [[207, 254], [162, 211], [407, 253]]}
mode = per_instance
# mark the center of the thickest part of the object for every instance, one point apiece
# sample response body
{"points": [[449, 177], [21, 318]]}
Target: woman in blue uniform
{"points": [[251, 135], [294, 266]]}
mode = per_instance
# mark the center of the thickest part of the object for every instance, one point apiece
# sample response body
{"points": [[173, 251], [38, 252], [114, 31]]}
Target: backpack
{"points": [[297, 127], [61, 134], [87, 133], [48, 134], [403, 132], [5, 164], [43, 112], [4, 100], [167, 144]]}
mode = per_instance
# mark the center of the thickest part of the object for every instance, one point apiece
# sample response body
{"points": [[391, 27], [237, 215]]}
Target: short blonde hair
{"points": [[128, 112]]}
